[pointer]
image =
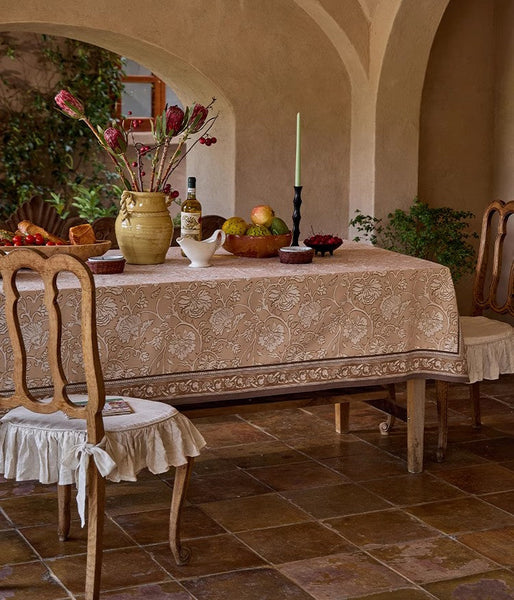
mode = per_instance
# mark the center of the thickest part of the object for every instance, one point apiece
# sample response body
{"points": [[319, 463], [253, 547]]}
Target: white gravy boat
{"points": [[200, 253]]}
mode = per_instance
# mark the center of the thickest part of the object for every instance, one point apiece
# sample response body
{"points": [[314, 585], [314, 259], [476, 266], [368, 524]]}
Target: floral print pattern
{"points": [[357, 315]]}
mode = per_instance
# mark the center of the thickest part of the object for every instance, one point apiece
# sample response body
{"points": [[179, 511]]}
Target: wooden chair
{"points": [[61, 440], [489, 343]]}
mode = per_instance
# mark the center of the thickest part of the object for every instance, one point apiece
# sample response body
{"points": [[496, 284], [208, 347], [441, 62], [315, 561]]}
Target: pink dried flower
{"points": [[116, 140], [174, 119], [198, 116], [164, 158], [69, 104]]}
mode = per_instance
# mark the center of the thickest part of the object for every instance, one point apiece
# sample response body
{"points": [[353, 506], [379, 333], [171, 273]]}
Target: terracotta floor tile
{"points": [[233, 484], [488, 405], [497, 544], [151, 527], [342, 576], [14, 549], [208, 462], [403, 594], [209, 556], [155, 591], [310, 540], [497, 449], [120, 568], [382, 527], [137, 496], [45, 541], [29, 581], [342, 445], [371, 464], [405, 490], [9, 488], [262, 584], [39, 509], [260, 454], [290, 424], [4, 521], [480, 479], [494, 585], [461, 515], [229, 432], [501, 423], [255, 512], [299, 475], [336, 500], [424, 561], [394, 443], [295, 542], [503, 500]]}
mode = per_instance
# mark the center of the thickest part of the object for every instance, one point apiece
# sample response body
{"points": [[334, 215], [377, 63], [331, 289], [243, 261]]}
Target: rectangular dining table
{"points": [[250, 328]]}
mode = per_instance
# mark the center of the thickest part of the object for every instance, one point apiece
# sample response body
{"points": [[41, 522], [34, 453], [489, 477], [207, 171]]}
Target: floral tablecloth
{"points": [[251, 326]]}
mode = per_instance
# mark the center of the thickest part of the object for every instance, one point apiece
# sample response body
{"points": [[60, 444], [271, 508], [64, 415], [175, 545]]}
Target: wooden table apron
{"points": [[256, 327]]}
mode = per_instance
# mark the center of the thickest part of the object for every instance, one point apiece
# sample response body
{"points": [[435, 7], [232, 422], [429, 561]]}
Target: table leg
{"points": [[415, 424], [342, 417]]}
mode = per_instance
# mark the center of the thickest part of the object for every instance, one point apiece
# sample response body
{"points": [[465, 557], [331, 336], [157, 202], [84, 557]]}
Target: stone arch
{"points": [[398, 102], [386, 88], [218, 166]]}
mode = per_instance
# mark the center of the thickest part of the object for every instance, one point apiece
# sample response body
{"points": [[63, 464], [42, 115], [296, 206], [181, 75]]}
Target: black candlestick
{"points": [[297, 202]]}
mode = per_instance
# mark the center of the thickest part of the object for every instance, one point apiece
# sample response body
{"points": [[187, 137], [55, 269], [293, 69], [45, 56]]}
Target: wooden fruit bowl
{"points": [[251, 246]]}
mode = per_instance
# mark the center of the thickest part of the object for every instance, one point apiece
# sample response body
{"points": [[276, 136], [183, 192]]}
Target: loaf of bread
{"points": [[82, 234], [27, 227]]}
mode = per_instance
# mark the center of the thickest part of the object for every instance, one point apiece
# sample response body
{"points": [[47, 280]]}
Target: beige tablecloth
{"points": [[251, 326]]}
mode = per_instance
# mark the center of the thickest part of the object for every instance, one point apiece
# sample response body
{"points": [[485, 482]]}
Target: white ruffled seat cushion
{"points": [[155, 436], [489, 347]]}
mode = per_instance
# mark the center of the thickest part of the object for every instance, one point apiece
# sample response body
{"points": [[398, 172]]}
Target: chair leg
{"points": [[63, 509], [182, 475], [442, 414], [95, 525], [474, 394]]}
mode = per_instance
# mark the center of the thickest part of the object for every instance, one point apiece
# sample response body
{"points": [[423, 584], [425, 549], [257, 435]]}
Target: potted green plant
{"points": [[438, 234]]}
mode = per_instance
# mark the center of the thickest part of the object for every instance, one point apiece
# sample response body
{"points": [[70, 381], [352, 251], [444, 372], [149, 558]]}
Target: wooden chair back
{"points": [[495, 261], [43, 214], [11, 266]]}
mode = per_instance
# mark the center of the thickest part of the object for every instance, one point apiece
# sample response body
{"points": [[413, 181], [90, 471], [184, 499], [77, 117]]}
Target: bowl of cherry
{"points": [[323, 243]]}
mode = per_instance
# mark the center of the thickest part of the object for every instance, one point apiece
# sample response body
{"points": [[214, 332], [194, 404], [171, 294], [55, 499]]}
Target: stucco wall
{"points": [[263, 61], [466, 154], [355, 69]]}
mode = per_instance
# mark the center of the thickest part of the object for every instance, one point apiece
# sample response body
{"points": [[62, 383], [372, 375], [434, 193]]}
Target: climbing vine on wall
{"points": [[41, 153]]}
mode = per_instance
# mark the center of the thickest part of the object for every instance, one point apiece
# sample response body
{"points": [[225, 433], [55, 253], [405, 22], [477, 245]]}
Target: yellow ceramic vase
{"points": [[144, 227]]}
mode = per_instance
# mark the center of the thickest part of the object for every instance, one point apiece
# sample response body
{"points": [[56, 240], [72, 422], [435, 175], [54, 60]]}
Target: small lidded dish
{"points": [[296, 255], [107, 264]]}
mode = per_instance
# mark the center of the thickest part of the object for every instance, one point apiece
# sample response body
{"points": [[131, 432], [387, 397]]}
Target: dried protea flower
{"points": [[174, 119], [116, 140], [198, 116], [163, 160], [69, 104]]}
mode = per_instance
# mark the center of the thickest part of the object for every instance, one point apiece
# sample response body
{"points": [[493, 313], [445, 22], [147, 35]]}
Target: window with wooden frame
{"points": [[144, 95]]}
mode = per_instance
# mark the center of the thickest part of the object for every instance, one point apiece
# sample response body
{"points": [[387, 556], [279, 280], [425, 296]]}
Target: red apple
{"points": [[262, 215]]}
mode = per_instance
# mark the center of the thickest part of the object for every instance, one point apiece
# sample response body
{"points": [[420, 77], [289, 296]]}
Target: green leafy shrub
{"points": [[438, 234], [40, 152], [90, 202]]}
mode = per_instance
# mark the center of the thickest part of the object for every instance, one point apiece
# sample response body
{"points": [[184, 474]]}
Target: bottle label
{"points": [[190, 224]]}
